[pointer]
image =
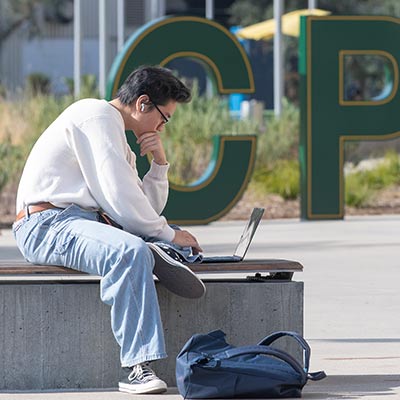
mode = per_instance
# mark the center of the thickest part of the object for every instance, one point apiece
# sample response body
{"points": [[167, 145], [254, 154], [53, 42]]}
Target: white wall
{"points": [[54, 58], [51, 53]]}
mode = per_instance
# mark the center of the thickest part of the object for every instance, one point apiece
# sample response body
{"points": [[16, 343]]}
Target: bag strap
{"points": [[274, 336], [316, 376], [239, 351]]}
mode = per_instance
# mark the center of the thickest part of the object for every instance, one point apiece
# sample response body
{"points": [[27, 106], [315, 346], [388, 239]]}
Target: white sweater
{"points": [[83, 158]]}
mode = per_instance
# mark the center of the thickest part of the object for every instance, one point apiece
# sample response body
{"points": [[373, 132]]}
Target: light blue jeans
{"points": [[74, 238]]}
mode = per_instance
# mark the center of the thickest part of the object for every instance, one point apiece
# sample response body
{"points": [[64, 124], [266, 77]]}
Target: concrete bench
{"points": [[55, 331]]}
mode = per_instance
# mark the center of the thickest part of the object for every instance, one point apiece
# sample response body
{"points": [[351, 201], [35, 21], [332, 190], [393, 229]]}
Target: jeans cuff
{"points": [[139, 360]]}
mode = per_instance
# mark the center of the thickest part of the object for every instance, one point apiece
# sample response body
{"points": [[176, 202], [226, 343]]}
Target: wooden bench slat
{"points": [[249, 266], [23, 268]]}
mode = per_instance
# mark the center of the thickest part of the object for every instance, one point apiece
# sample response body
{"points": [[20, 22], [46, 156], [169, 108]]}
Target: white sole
{"points": [[175, 276], [150, 387]]}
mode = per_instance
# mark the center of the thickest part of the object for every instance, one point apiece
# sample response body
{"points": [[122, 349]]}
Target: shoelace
{"points": [[142, 373], [172, 253]]}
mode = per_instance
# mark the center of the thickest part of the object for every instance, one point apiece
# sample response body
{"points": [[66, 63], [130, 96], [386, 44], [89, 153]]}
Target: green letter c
{"points": [[233, 157]]}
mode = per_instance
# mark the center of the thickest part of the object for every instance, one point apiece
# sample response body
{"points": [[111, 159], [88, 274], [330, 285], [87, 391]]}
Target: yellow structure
{"points": [[290, 25]]}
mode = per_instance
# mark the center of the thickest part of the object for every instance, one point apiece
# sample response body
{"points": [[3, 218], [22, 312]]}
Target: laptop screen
{"points": [[248, 233]]}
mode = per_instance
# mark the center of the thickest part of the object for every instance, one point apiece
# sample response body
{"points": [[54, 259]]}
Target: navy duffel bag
{"points": [[208, 367]]}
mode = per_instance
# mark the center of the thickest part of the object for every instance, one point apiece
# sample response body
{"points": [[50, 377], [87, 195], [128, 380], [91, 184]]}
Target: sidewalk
{"points": [[352, 300]]}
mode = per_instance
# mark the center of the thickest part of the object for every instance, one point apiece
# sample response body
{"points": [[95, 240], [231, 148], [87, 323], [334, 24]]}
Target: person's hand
{"points": [[186, 239], [150, 142]]}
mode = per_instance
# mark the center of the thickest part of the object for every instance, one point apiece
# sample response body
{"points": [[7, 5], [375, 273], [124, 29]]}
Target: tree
{"points": [[15, 13], [247, 12]]}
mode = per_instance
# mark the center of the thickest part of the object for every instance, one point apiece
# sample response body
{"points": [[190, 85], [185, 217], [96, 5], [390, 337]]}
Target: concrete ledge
{"points": [[58, 335]]}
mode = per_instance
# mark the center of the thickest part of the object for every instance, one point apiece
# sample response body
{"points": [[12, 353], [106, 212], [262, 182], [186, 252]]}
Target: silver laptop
{"points": [[244, 241]]}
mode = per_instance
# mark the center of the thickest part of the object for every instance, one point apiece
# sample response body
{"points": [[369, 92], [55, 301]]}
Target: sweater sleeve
{"points": [[155, 183], [99, 145]]}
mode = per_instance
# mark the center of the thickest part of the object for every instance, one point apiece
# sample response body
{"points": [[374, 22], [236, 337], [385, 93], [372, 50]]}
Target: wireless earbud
{"points": [[142, 107]]}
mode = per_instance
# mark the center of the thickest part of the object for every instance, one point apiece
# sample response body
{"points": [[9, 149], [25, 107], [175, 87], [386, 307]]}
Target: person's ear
{"points": [[142, 101]]}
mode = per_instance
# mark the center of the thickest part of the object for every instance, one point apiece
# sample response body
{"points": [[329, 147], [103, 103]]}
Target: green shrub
{"points": [[282, 179], [357, 193], [37, 84], [281, 137], [3, 91], [35, 115], [11, 163], [21, 123], [89, 87], [361, 186]]}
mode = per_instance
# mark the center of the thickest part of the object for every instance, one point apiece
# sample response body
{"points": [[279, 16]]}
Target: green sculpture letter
{"points": [[233, 157], [328, 120]]}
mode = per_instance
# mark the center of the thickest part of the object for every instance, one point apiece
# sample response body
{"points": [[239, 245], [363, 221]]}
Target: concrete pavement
{"points": [[352, 299]]}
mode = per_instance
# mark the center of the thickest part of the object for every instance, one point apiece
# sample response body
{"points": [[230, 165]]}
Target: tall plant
{"points": [[280, 139]]}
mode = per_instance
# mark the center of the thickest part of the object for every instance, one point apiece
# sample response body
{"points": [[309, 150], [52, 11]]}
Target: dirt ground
{"points": [[388, 202]]}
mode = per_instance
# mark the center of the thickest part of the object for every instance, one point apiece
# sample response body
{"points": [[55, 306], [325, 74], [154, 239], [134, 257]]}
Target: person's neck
{"points": [[125, 112]]}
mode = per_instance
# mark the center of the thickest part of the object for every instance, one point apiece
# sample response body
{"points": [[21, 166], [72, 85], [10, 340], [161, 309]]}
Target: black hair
{"points": [[159, 83]]}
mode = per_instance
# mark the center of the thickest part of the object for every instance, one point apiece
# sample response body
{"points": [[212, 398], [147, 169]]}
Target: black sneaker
{"points": [[171, 252], [175, 276], [141, 380]]}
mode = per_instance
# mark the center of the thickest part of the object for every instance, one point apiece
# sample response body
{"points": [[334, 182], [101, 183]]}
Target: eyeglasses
{"points": [[161, 113]]}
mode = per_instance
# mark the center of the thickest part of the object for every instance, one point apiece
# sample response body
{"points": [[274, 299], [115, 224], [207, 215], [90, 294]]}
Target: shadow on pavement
{"points": [[353, 387]]}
